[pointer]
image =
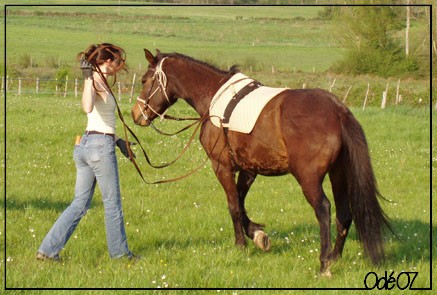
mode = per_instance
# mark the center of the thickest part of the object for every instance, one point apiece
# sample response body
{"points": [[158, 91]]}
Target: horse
{"points": [[304, 132]]}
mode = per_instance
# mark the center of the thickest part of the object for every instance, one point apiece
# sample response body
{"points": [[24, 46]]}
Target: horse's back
{"points": [[309, 102]]}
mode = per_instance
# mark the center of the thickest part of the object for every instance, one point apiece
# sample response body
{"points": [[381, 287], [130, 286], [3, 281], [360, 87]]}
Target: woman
{"points": [[95, 157]]}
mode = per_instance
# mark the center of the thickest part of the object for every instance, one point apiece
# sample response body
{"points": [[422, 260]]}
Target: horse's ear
{"points": [[158, 52], [150, 58]]}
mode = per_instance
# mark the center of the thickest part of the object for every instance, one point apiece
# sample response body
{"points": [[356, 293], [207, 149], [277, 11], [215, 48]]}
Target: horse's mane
{"points": [[232, 70]]}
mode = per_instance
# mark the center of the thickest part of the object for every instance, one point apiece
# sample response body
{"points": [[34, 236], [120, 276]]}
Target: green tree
{"points": [[368, 32]]}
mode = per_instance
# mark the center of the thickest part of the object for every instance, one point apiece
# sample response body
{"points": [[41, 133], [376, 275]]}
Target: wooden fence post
{"points": [[37, 86], [397, 92], [75, 87], [332, 85], [384, 97], [365, 98], [119, 90], [66, 86], [132, 88], [19, 86], [347, 93]]}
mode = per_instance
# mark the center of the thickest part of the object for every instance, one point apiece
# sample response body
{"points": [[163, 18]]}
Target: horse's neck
{"points": [[199, 86]]}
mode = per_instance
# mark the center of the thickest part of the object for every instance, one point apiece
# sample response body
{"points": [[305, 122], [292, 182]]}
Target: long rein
{"points": [[199, 122]]}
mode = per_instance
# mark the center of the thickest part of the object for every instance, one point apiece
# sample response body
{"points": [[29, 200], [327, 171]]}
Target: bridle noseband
{"points": [[161, 79]]}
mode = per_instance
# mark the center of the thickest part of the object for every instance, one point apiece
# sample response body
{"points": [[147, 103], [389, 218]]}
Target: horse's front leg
{"points": [[253, 230], [216, 147], [227, 180]]}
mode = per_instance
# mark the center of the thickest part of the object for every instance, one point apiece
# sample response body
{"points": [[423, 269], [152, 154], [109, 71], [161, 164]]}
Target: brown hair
{"points": [[97, 54]]}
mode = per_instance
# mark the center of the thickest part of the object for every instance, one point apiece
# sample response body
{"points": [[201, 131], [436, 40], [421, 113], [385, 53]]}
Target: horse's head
{"points": [[156, 96]]}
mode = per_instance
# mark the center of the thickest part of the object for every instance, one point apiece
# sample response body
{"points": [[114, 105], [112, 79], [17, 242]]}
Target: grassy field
{"points": [[183, 230], [203, 32], [291, 41]]}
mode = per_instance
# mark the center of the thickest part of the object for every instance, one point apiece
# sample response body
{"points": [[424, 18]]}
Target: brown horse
{"points": [[306, 132]]}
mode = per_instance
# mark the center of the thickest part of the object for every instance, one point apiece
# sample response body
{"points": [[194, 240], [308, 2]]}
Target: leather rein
{"points": [[162, 80]]}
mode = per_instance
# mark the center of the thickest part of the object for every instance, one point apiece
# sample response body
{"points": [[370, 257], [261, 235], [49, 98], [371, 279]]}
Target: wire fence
{"points": [[129, 87], [62, 87]]}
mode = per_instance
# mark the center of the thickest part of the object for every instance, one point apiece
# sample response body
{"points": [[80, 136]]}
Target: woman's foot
{"points": [[43, 257]]}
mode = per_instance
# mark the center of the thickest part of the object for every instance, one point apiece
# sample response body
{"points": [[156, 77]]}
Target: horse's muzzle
{"points": [[140, 120]]}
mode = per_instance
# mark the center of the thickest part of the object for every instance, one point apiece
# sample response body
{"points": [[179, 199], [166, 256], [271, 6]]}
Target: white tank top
{"points": [[102, 117]]}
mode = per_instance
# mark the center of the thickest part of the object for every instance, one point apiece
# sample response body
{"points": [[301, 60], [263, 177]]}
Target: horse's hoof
{"points": [[326, 273], [261, 240], [325, 270]]}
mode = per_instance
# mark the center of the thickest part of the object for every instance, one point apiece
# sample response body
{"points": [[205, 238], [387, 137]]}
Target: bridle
{"points": [[199, 122], [161, 78]]}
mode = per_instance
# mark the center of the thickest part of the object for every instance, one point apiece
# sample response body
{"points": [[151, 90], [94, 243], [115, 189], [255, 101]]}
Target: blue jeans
{"points": [[96, 162]]}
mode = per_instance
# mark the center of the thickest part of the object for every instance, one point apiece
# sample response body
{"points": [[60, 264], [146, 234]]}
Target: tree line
{"points": [[374, 32], [377, 39]]}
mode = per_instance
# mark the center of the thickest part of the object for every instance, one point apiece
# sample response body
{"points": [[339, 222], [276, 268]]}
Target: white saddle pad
{"points": [[246, 113]]}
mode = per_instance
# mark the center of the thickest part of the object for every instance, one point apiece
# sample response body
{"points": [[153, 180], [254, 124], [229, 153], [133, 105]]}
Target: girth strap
{"points": [[237, 98]]}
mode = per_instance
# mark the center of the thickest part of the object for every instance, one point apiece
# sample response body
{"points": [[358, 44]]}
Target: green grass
{"points": [[265, 35], [183, 230], [291, 40]]}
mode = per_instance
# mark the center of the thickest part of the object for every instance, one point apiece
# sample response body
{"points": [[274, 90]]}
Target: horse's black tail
{"points": [[367, 214]]}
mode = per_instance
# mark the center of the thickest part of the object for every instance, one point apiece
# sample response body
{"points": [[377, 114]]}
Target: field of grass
{"points": [[202, 32], [183, 230], [291, 41]]}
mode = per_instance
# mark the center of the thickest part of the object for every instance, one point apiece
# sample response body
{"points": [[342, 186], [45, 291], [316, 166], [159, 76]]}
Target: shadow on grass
{"points": [[58, 206], [414, 242]]}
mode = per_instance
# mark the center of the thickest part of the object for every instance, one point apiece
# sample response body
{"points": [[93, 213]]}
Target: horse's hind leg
{"points": [[343, 213], [314, 194], [253, 230]]}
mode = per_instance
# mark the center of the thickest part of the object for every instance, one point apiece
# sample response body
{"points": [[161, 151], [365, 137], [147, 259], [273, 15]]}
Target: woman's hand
{"points": [[123, 147], [87, 69]]}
